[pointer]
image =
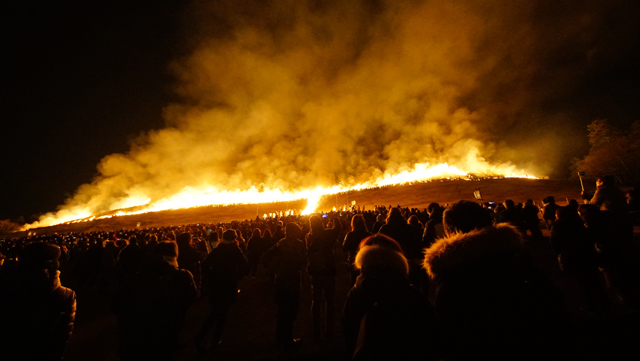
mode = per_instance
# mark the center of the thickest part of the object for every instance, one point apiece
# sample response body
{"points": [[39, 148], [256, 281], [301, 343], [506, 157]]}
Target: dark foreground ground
{"points": [[251, 326]]}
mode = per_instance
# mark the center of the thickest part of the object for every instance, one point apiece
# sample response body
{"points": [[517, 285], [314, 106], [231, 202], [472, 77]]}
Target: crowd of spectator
{"points": [[456, 278]]}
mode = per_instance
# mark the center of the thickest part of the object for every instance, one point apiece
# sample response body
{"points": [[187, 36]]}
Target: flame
{"points": [[190, 197], [312, 204], [296, 98]]}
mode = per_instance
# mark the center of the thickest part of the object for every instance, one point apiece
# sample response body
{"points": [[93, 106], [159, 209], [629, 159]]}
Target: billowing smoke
{"points": [[295, 94]]}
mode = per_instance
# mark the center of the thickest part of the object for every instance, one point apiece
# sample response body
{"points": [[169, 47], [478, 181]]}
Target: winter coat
{"points": [[549, 211], [320, 251], [256, 246], [189, 259], [490, 302], [433, 229], [223, 268], [576, 250], [286, 260], [384, 317], [402, 233], [415, 246], [612, 199], [352, 242], [530, 215], [130, 259], [36, 317], [151, 305], [512, 216]]}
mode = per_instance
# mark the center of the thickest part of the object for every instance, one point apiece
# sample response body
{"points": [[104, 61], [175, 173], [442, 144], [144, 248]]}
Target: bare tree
{"points": [[612, 152]]}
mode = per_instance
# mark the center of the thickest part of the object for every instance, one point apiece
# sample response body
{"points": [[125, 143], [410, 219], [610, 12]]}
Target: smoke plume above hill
{"points": [[296, 94]]}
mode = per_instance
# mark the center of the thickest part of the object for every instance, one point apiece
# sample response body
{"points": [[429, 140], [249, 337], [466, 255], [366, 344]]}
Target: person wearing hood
{"points": [[384, 316], [36, 312], [151, 306], [490, 302]]}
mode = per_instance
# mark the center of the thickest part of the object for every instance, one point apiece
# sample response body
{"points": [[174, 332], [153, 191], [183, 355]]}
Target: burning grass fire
{"points": [[298, 102], [192, 197]]}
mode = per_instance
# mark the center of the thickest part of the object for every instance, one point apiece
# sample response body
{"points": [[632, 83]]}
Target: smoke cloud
{"points": [[295, 94]]}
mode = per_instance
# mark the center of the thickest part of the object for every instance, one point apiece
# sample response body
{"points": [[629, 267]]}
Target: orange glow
{"points": [[194, 197]]}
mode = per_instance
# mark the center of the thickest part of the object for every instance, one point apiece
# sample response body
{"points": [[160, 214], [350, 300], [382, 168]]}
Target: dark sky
{"points": [[81, 79]]}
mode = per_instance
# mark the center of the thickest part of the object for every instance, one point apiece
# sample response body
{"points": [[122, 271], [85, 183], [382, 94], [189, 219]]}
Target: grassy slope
{"points": [[409, 195]]}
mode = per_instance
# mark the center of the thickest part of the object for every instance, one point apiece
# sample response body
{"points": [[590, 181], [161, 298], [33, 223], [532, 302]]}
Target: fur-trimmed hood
{"points": [[381, 258], [448, 254]]}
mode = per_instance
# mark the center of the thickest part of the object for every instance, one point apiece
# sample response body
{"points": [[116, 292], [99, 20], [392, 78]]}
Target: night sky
{"points": [[79, 80], [83, 79]]}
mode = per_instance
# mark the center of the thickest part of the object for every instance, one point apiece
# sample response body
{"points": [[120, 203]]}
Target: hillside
{"points": [[417, 195]]}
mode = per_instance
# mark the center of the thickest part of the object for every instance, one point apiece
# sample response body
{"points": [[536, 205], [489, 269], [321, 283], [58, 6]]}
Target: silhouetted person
{"points": [[577, 256], [512, 215], [269, 239], [491, 303], [433, 229], [608, 197], [352, 242], [618, 257], [189, 258], [242, 243], [322, 268], [109, 263], [223, 268], [530, 219], [398, 229], [278, 233], [151, 306], [497, 212], [89, 265], [213, 240], [549, 211], [130, 259], [633, 202], [36, 312], [151, 242], [375, 228], [286, 260], [415, 256], [385, 317], [256, 246]]}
